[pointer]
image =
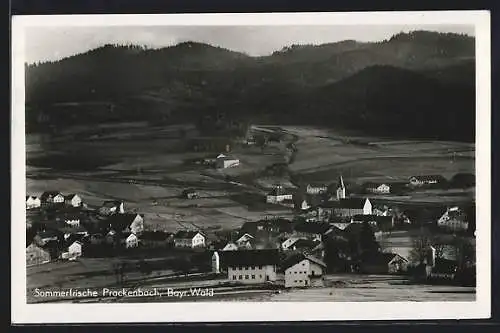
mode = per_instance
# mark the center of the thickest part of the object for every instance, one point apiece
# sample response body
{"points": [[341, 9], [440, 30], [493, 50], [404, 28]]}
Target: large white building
{"points": [[251, 266], [303, 271], [453, 219]]}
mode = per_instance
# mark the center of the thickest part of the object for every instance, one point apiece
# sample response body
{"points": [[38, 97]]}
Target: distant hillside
{"points": [[314, 83]]}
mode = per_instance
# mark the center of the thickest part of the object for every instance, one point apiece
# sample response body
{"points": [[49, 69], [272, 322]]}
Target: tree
{"points": [[420, 246], [367, 241]]}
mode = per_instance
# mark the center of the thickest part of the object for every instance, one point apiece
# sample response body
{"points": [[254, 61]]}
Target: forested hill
{"points": [[425, 78]]}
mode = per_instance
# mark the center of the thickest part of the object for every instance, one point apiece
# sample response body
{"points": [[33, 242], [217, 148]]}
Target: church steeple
{"points": [[340, 189]]}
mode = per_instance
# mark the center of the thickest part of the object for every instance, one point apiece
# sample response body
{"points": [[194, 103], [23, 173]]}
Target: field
{"points": [[149, 167]]}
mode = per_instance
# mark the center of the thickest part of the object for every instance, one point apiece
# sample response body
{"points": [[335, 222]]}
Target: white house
{"points": [[289, 242], [74, 251], [222, 161], [251, 266], [453, 219], [189, 239], [73, 200], [426, 180], [131, 241], [377, 188], [33, 202], [316, 188], [72, 221], [51, 197], [303, 271], [278, 194]]}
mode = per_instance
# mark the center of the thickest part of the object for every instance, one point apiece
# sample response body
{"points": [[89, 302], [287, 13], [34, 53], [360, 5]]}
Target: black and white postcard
{"points": [[251, 167]]}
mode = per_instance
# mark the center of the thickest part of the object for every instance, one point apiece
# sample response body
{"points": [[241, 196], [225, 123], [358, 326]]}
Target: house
{"points": [[313, 188], [383, 263], [189, 239], [130, 240], [303, 245], [417, 181], [278, 194], [454, 219], [190, 194], [289, 242], [73, 200], [222, 162], [51, 198], [153, 239], [112, 207], [377, 188], [251, 266], [36, 255], [244, 240], [311, 230], [127, 222], [72, 220], [73, 251], [230, 247], [33, 202], [303, 271]]}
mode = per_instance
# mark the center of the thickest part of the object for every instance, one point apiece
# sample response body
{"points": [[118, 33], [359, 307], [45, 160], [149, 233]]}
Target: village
{"points": [[330, 231]]}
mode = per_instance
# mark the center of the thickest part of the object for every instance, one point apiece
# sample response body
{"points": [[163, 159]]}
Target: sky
{"points": [[54, 43]]}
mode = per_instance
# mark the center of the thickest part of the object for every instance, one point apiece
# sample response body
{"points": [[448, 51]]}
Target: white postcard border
{"points": [[243, 311]]}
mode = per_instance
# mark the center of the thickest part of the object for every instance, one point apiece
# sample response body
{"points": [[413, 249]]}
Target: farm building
{"points": [[130, 240], [314, 188], [417, 181], [383, 263], [128, 222], [303, 271], [454, 219], [278, 195], [377, 188], [189, 239], [51, 198], [36, 255], [73, 200], [112, 207], [190, 194], [223, 162], [250, 266], [303, 245], [33, 202]]}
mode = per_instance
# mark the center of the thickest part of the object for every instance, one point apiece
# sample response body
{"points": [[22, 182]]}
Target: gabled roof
{"points": [[279, 190], [187, 234], [355, 228], [317, 185], [443, 265], [70, 196], [298, 257], [305, 243], [250, 257], [47, 194]]}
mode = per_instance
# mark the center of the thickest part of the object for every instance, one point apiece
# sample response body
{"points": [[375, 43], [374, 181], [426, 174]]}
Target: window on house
{"points": [[234, 277], [240, 277], [253, 277], [260, 276], [246, 277], [260, 267]]}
